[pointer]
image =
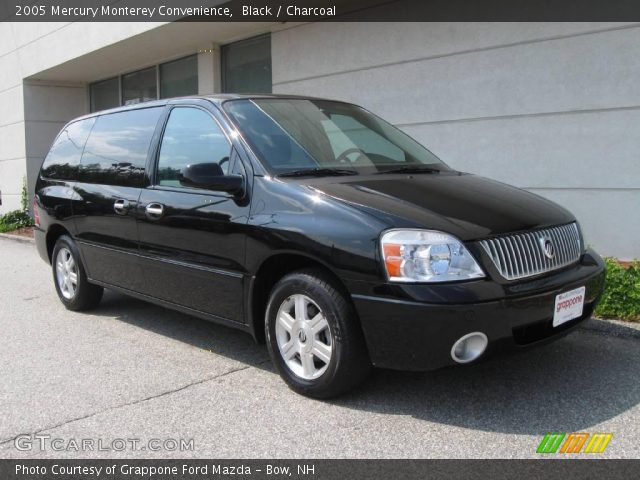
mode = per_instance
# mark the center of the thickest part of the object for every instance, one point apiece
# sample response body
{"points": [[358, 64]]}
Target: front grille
{"points": [[532, 253]]}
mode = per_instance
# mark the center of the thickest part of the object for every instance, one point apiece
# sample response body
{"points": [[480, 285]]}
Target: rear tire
{"points": [[74, 290], [314, 337]]}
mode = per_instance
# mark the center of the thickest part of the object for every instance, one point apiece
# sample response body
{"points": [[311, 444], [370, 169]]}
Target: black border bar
{"points": [[547, 469], [326, 10]]}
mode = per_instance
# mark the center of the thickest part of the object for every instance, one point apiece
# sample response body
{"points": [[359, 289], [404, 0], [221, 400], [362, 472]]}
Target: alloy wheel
{"points": [[66, 273], [304, 337]]}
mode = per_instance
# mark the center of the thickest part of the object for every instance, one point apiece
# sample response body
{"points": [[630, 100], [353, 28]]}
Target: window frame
{"points": [[153, 174]]}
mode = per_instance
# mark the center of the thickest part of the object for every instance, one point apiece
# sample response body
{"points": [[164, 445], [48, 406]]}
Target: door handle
{"points": [[154, 210], [121, 207]]}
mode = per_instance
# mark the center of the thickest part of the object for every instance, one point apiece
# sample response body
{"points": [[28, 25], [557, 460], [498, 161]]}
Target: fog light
{"points": [[469, 347]]}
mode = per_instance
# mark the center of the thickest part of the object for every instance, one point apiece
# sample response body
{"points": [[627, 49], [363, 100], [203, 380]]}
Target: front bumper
{"points": [[407, 333]]}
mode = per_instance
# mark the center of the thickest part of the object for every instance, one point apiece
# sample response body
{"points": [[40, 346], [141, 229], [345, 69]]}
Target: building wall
{"points": [[550, 107], [47, 108]]}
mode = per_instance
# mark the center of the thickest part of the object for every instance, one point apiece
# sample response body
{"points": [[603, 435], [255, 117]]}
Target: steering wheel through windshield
{"points": [[344, 156]]}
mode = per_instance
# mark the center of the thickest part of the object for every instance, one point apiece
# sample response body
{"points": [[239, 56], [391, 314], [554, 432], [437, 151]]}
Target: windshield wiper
{"points": [[411, 169], [318, 172]]}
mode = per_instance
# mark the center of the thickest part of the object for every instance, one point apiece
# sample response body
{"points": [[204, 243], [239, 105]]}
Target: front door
{"points": [[192, 241]]}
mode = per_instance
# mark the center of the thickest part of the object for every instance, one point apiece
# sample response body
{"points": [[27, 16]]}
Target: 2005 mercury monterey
{"points": [[313, 225]]}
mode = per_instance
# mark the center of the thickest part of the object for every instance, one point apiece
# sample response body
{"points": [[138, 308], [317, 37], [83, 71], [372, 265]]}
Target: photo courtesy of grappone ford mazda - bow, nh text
{"points": [[314, 226]]}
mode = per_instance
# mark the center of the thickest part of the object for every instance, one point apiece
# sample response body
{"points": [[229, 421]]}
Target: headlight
{"points": [[426, 256]]}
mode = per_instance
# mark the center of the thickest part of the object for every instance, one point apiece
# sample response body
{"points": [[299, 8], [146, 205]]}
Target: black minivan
{"points": [[313, 225]]}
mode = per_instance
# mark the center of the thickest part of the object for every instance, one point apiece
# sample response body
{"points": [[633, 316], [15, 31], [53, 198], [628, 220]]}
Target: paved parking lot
{"points": [[130, 370]]}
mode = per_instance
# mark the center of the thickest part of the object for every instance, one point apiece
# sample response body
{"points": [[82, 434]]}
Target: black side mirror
{"points": [[211, 177]]}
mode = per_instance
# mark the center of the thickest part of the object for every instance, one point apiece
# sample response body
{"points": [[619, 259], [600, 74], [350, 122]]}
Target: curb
{"points": [[17, 238], [614, 328]]}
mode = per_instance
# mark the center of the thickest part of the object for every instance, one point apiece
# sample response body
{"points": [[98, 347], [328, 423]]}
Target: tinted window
{"points": [[346, 133], [116, 152], [138, 87], [63, 159], [191, 137], [269, 139], [246, 66], [179, 78], [330, 135], [105, 94]]}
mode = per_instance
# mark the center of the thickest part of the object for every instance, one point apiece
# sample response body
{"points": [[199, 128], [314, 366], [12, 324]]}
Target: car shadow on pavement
{"points": [[221, 340], [570, 385]]}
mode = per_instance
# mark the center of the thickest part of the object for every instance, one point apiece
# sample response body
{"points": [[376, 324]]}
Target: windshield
{"points": [[299, 135]]}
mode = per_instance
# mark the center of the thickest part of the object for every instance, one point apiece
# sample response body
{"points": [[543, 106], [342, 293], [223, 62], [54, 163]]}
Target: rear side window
{"points": [[116, 152], [191, 137], [63, 159]]}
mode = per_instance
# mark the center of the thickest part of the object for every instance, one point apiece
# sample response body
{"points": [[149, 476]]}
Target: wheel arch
{"points": [[54, 232], [270, 271]]}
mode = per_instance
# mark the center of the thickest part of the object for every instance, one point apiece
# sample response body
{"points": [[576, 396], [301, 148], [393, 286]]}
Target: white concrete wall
{"points": [[550, 107], [47, 108]]}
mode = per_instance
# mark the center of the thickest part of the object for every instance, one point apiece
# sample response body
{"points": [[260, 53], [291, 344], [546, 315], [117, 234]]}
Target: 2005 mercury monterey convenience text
{"points": [[313, 225]]}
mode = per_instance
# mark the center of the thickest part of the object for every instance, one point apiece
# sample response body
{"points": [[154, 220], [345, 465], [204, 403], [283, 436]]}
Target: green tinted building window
{"points": [[140, 86], [246, 66], [179, 78], [105, 94]]}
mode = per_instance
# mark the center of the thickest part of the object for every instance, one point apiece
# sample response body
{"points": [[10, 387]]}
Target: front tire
{"points": [[70, 279], [314, 337]]}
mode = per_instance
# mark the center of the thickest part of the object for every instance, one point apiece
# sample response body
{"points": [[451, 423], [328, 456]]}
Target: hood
{"points": [[467, 206]]}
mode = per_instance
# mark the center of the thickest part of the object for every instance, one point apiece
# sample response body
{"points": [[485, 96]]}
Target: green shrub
{"points": [[17, 218], [621, 297], [24, 195], [14, 220]]}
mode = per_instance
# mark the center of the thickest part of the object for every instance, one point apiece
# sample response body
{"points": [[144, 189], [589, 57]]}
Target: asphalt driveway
{"points": [[131, 370]]}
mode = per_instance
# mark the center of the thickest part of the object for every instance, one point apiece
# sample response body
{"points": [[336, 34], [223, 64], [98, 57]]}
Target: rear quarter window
{"points": [[63, 160], [116, 151]]}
